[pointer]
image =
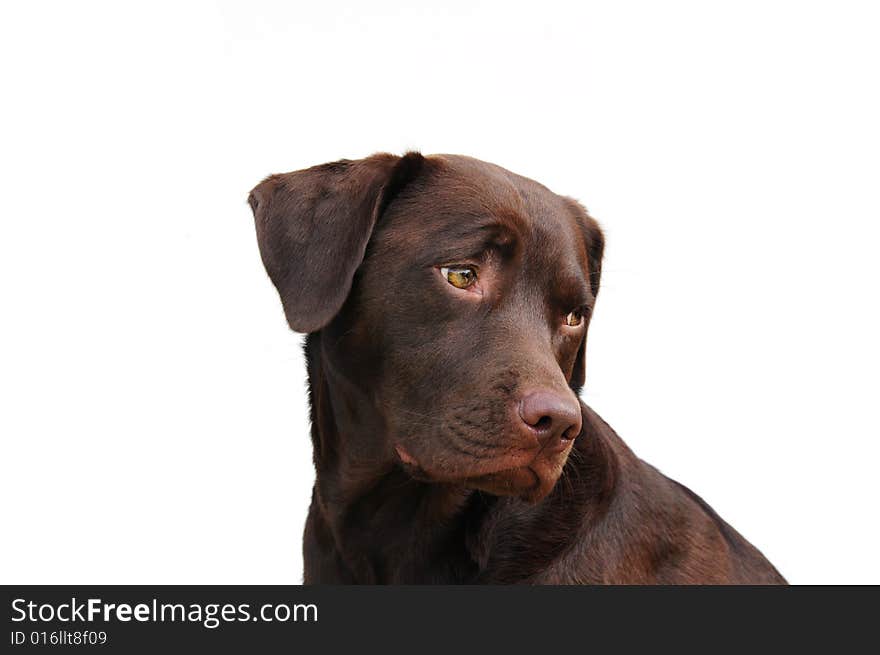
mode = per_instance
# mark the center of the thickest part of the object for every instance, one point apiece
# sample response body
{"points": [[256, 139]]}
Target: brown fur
{"points": [[428, 469]]}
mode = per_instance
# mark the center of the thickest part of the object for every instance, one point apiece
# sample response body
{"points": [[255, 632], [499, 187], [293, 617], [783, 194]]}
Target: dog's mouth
{"points": [[529, 475]]}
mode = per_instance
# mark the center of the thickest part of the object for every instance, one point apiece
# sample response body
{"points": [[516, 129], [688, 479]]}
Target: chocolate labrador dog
{"points": [[446, 302]]}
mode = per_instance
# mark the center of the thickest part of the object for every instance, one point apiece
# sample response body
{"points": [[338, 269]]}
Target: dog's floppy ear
{"points": [[594, 241], [313, 227]]}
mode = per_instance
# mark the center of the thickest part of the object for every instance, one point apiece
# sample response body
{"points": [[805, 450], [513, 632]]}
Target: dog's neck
{"points": [[370, 522]]}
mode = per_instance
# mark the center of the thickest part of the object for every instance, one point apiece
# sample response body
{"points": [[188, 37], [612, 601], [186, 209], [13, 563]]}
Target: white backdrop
{"points": [[153, 416]]}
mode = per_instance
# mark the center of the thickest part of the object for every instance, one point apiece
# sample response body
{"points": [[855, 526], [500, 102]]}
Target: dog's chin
{"points": [[524, 482], [528, 477]]}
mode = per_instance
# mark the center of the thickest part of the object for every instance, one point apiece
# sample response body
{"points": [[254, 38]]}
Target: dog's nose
{"points": [[552, 417]]}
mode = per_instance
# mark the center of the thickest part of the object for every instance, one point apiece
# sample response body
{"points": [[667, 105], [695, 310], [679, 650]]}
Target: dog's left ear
{"points": [[313, 227], [594, 241]]}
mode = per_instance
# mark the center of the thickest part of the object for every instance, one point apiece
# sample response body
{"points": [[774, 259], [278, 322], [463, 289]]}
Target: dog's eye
{"points": [[460, 277], [574, 318]]}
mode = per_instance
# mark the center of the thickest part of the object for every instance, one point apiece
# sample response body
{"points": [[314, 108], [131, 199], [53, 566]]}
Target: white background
{"points": [[153, 403]]}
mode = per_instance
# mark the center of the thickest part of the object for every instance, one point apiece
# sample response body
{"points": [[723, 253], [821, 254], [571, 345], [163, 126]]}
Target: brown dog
{"points": [[446, 302]]}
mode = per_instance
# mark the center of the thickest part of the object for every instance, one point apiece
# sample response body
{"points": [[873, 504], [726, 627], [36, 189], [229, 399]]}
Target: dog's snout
{"points": [[551, 416]]}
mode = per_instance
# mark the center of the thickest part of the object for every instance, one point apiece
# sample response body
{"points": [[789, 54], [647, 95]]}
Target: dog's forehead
{"points": [[479, 185], [457, 195]]}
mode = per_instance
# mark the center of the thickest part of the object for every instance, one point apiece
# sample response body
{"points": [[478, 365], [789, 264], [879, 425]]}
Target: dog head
{"points": [[454, 297]]}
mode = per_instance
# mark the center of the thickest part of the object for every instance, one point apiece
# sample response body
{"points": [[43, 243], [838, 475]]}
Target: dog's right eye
{"points": [[461, 277]]}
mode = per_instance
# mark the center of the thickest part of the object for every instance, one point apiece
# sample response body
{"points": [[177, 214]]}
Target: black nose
{"points": [[554, 418]]}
